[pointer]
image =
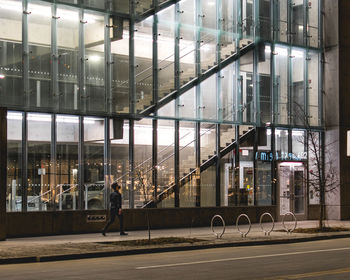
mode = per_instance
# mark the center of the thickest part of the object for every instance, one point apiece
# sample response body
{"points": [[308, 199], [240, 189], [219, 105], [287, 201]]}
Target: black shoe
{"points": [[123, 233], [103, 233]]}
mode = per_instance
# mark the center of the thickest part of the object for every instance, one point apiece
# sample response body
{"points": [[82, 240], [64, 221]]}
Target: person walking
{"points": [[116, 209]]}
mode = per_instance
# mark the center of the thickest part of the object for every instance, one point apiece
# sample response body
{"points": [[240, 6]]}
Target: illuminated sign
{"points": [[270, 156]]}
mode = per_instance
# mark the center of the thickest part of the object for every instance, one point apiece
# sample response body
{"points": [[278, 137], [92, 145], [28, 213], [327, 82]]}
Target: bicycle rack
{"points": [[223, 224], [243, 234], [295, 222], [267, 232]]}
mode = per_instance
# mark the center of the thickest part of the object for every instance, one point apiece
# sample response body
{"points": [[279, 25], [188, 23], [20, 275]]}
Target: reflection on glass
{"points": [[14, 162], [94, 183]]}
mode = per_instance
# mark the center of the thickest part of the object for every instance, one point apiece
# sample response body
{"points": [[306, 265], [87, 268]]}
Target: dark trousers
{"points": [[113, 213]]}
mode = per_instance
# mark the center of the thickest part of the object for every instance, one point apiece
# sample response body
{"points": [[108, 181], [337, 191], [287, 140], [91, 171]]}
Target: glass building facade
{"points": [[187, 103]]}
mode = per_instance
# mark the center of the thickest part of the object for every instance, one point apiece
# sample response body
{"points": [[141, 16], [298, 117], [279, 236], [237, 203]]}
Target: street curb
{"points": [[66, 257]]}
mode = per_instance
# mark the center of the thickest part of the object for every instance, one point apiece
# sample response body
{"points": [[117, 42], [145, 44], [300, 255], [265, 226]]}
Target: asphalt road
{"points": [[328, 259]]}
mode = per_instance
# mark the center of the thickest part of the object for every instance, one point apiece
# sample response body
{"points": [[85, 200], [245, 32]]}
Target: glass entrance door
{"points": [[292, 189]]}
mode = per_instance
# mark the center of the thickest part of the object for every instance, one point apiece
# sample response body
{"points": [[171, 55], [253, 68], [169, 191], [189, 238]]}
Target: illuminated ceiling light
{"points": [[2, 76], [94, 58]]}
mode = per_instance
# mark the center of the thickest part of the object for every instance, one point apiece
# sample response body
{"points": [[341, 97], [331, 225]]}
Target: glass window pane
{"points": [[313, 24], [208, 35], [298, 87], [265, 19], [247, 87], [283, 20], [120, 72], [208, 190], [94, 181], [281, 138], [166, 40], [144, 66], [40, 188], [166, 159], [228, 28], [264, 83], [40, 59], [14, 162], [228, 99], [120, 157], [188, 163], [68, 57], [95, 62], [313, 89], [11, 53], [143, 189], [207, 107], [187, 44], [67, 130], [228, 186], [281, 84]]}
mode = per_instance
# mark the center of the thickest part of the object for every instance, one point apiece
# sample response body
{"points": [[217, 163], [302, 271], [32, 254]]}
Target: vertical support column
{"points": [[198, 164], [81, 164], [274, 86], [290, 86], [218, 167], [236, 167], [107, 161], [53, 168], [24, 181], [25, 54], [273, 169], [131, 163], [132, 80], [55, 57], [305, 21], [198, 23], [255, 160], [81, 63], [256, 89], [155, 59], [108, 64], [177, 163], [155, 156], [177, 69], [3, 171]]}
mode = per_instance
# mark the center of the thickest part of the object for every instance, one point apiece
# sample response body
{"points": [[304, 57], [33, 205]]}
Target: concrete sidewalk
{"points": [[65, 247]]}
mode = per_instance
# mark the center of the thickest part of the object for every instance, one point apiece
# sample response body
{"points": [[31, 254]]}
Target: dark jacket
{"points": [[116, 200]]}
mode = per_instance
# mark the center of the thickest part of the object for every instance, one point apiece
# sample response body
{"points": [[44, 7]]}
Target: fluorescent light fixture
{"points": [[14, 116]]}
